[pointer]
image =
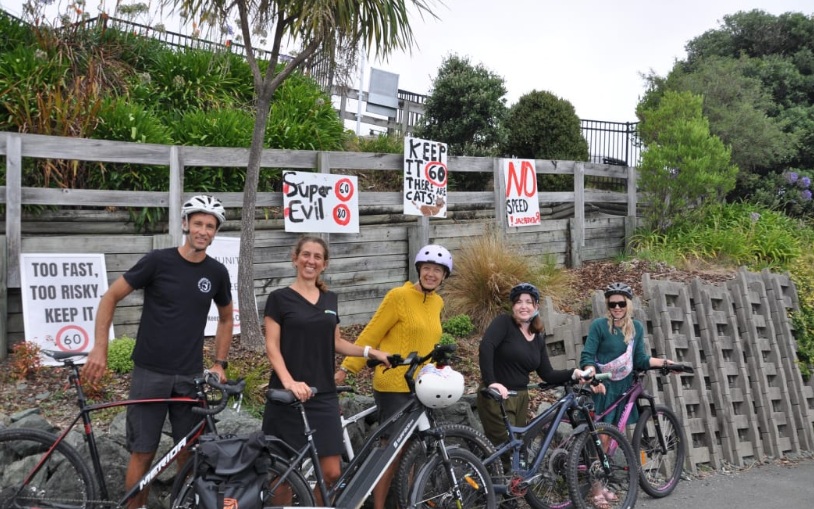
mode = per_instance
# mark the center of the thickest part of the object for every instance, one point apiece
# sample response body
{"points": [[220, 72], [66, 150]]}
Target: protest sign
{"points": [[60, 294], [226, 250], [522, 204], [320, 202], [425, 178]]}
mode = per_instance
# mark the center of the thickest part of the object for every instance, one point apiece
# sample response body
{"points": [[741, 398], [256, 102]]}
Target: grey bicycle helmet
{"points": [[522, 288], [618, 289], [433, 253], [206, 204]]}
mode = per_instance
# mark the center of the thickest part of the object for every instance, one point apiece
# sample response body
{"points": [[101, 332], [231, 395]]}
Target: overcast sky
{"points": [[589, 52]]}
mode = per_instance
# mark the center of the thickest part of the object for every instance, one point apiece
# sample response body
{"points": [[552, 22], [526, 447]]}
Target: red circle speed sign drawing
{"points": [[436, 173], [72, 338], [344, 189], [341, 215]]}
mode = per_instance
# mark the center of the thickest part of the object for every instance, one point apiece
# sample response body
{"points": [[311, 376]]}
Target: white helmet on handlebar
{"points": [[439, 388]]}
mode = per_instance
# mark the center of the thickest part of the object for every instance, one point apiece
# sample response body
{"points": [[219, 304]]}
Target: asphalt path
{"points": [[784, 485]]}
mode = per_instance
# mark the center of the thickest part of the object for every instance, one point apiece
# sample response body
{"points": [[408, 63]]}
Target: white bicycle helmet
{"points": [[433, 253], [439, 388], [206, 204]]}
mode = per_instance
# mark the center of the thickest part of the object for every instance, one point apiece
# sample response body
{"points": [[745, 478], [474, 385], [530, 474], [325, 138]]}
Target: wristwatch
{"points": [[222, 363]]}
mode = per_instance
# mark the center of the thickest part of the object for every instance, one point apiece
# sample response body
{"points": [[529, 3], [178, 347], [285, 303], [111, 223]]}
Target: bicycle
{"points": [[466, 483], [554, 469], [41, 469], [415, 453], [658, 438]]}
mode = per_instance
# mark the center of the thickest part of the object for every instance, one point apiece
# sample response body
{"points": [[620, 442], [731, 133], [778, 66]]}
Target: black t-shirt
{"points": [[307, 333], [177, 297], [506, 357]]}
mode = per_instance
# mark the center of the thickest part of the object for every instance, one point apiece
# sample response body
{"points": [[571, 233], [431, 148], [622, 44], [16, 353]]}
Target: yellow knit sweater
{"points": [[405, 322]]}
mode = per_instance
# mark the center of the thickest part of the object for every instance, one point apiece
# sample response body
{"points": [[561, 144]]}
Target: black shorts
{"points": [[285, 422], [388, 403], [145, 422]]}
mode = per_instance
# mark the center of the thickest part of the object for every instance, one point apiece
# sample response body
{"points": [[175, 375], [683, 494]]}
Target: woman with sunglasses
{"points": [[615, 344]]}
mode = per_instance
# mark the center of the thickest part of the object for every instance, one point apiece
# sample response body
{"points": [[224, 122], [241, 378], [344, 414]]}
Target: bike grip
{"points": [[686, 368], [395, 360], [601, 377]]}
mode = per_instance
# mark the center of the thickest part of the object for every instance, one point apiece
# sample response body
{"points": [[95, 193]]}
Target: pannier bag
{"points": [[231, 471]]}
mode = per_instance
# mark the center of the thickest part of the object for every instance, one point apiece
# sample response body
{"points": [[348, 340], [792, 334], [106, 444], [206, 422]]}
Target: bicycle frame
{"points": [[353, 419], [367, 466], [559, 412], [85, 410]]}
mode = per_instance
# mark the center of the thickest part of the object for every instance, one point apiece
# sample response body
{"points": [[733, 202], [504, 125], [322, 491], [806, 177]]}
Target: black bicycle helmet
{"points": [[618, 289], [522, 288]]}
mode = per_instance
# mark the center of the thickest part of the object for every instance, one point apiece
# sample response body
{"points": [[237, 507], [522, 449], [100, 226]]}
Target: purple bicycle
{"points": [[658, 438]]}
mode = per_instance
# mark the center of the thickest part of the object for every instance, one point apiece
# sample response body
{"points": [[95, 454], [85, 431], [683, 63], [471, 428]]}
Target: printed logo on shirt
{"points": [[204, 285], [330, 311]]}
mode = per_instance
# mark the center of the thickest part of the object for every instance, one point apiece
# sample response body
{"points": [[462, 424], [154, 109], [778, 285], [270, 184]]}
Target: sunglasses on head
{"points": [[619, 304]]}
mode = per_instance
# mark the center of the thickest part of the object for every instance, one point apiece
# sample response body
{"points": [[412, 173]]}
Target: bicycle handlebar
{"points": [[231, 388], [674, 368], [284, 396]]}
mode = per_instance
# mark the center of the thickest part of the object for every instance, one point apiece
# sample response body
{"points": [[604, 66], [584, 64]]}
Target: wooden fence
{"points": [[583, 224]]}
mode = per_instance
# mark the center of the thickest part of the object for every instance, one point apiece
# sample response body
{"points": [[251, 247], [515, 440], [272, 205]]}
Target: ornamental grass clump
{"points": [[486, 268]]}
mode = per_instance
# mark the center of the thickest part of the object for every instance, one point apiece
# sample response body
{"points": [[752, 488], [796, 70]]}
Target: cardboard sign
{"points": [[425, 178], [522, 204], [226, 250], [320, 202], [60, 294]]}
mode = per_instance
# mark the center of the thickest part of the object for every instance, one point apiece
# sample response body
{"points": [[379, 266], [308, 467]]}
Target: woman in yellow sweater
{"points": [[408, 320]]}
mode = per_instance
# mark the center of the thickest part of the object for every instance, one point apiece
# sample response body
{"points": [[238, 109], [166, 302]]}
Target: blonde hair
{"points": [[627, 325]]}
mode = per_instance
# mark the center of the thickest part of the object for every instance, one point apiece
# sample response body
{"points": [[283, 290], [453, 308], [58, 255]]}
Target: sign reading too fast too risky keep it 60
{"points": [[60, 294]]}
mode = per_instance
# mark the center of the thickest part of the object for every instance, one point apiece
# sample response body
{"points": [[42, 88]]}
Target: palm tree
{"points": [[381, 25]]}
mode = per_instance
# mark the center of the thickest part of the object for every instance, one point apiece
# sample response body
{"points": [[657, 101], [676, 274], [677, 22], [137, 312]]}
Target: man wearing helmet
{"points": [[408, 320], [179, 286]]}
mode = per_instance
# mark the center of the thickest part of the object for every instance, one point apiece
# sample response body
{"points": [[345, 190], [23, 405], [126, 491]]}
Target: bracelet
{"points": [[346, 370], [366, 352]]}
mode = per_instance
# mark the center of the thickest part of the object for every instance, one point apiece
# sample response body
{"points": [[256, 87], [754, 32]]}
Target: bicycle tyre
{"points": [[183, 489], [659, 474], [586, 476], [63, 481], [548, 485], [454, 435], [434, 489]]}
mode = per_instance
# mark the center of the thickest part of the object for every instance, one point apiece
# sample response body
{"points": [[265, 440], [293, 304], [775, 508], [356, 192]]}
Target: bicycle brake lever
{"points": [[238, 402]]}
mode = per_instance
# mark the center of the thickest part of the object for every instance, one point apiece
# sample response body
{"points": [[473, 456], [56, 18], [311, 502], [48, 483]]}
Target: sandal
{"points": [[599, 502]]}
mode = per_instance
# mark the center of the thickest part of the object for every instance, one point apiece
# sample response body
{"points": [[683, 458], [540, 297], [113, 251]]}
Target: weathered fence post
{"points": [[4, 344], [631, 222], [578, 222], [14, 207], [176, 197]]}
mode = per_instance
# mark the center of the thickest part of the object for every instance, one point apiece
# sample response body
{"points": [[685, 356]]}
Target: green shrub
{"points": [[459, 326], [119, 355]]}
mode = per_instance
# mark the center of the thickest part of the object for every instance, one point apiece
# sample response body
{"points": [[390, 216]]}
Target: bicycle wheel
{"points": [[660, 470], [292, 492], [437, 487], [415, 455], [589, 484], [547, 486], [63, 479]]}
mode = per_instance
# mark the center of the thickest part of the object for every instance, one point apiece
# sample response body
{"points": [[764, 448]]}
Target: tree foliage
{"points": [[756, 75], [543, 126], [381, 25], [684, 165], [465, 109]]}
